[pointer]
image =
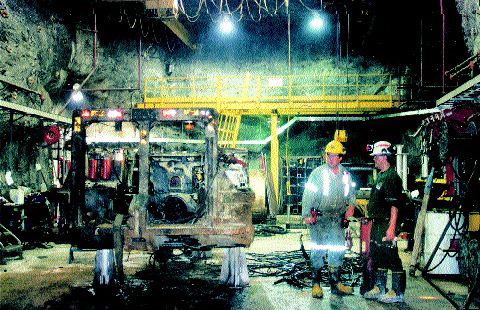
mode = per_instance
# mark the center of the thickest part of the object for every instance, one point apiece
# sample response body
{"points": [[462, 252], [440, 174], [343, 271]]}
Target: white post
{"points": [[424, 166], [399, 161], [404, 171], [402, 165]]}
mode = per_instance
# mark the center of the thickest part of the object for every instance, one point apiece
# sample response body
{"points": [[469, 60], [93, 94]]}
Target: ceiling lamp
{"points": [[226, 25], [316, 23], [77, 95]]}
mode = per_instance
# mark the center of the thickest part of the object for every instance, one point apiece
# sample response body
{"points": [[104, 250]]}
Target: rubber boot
{"points": [[380, 284], [338, 288], [396, 294], [368, 276], [317, 291]]}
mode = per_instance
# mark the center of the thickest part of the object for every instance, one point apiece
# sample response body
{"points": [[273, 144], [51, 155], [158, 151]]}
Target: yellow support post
{"points": [[236, 129], [274, 153]]}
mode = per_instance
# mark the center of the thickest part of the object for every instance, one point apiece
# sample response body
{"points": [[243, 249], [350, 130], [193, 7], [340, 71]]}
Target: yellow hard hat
{"points": [[335, 147]]}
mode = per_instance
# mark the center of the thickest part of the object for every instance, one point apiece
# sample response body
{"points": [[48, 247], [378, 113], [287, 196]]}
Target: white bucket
{"points": [[435, 223]]}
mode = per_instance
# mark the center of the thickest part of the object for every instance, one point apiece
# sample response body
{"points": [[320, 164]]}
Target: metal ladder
{"points": [[228, 127]]}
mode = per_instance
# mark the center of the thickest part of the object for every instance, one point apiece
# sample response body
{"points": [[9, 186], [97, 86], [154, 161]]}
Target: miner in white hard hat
{"points": [[384, 205]]}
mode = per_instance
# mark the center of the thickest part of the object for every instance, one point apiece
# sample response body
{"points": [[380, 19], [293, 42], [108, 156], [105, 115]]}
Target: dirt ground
{"points": [[44, 280]]}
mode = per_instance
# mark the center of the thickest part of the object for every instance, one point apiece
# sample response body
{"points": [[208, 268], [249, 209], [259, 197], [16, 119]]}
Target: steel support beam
{"points": [[470, 90], [180, 31], [21, 109], [405, 113], [2, 80]]}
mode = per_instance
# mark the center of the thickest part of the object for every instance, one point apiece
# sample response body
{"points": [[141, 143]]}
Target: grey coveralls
{"points": [[330, 194]]}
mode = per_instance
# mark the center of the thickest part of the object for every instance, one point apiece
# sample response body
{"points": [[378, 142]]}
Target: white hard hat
{"points": [[382, 148]]}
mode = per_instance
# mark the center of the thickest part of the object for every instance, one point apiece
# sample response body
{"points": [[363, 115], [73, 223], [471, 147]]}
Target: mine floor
{"points": [[44, 279]]}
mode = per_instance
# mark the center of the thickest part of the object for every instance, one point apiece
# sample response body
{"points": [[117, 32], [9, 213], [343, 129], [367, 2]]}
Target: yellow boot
{"points": [[338, 288], [317, 291], [341, 289], [374, 293]]}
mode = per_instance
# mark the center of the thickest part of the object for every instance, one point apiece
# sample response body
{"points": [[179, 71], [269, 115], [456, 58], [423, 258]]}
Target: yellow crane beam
{"points": [[294, 106], [284, 95]]}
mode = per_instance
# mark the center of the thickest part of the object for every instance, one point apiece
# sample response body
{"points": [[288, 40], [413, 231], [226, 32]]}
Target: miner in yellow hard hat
{"points": [[328, 200], [335, 147]]}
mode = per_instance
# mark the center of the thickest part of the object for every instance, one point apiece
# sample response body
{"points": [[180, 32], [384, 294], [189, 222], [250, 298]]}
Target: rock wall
{"points": [[34, 49], [470, 12], [43, 53], [33, 46]]}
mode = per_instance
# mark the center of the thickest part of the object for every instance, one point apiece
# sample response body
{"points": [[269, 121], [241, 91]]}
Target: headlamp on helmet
{"points": [[381, 148]]}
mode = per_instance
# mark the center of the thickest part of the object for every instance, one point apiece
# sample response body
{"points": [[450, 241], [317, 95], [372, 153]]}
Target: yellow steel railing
{"points": [[233, 96], [295, 94]]}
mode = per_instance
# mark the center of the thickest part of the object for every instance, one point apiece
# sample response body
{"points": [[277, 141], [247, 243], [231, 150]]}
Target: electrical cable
{"points": [[437, 265], [453, 218], [193, 18], [295, 269], [309, 8], [141, 29], [131, 26], [121, 16], [269, 230], [251, 15]]}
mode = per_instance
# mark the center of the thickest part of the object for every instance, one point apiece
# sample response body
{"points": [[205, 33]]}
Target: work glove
{"points": [[390, 234], [312, 219]]}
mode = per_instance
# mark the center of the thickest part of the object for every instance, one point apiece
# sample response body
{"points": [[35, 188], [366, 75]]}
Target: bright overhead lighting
{"points": [[77, 95], [226, 25], [316, 23]]}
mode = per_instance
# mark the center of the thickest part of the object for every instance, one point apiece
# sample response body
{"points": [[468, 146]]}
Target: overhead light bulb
{"points": [[77, 95], [76, 87], [226, 25], [316, 23]]}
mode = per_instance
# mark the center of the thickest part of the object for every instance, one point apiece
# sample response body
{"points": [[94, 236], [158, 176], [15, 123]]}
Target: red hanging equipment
{"points": [[106, 168], [92, 169]]}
